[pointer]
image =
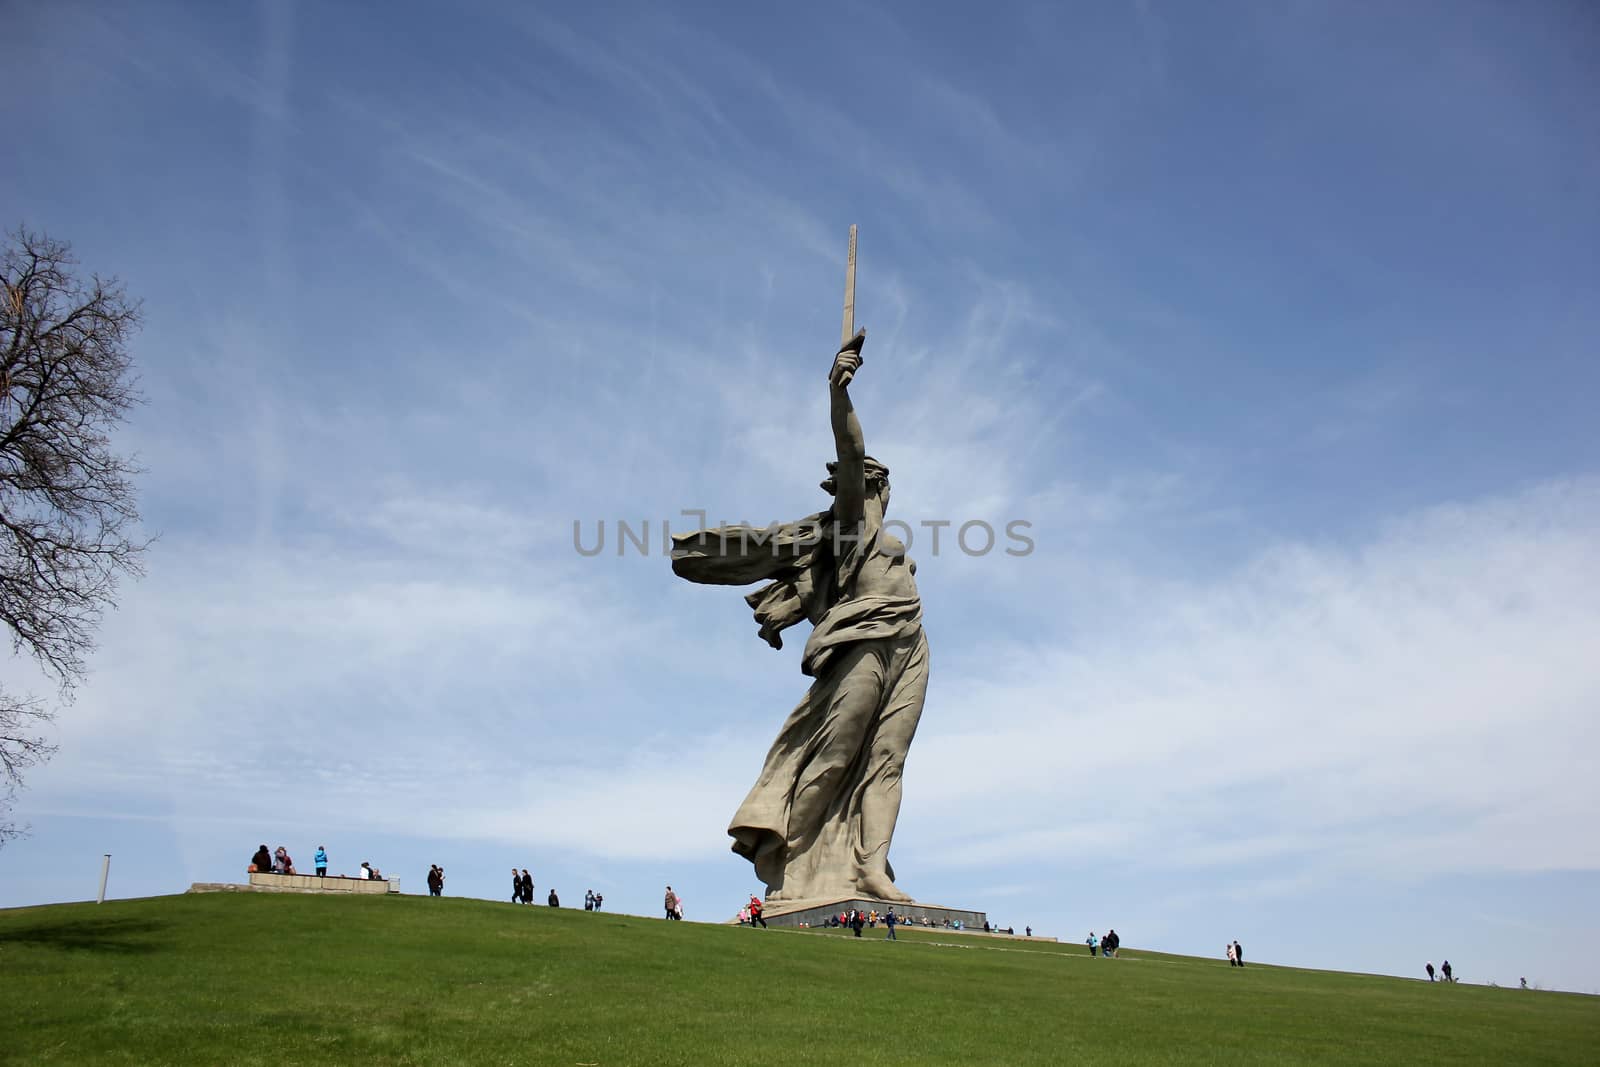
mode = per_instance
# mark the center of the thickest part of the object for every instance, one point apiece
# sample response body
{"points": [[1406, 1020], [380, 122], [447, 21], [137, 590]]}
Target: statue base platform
{"points": [[816, 912]]}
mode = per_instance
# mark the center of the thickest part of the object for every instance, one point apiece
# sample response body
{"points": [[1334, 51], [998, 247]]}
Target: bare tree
{"points": [[21, 746], [68, 514]]}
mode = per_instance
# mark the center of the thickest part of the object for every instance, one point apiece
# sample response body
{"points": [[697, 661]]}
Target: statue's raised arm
{"points": [[850, 476]]}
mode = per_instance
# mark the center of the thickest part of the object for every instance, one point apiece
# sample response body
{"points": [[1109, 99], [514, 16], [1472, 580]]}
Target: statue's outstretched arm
{"points": [[850, 479]]}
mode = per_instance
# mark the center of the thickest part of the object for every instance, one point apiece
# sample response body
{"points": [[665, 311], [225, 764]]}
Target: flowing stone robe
{"points": [[818, 822]]}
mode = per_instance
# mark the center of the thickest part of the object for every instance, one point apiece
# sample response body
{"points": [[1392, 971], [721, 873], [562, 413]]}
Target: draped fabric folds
{"points": [[818, 821]]}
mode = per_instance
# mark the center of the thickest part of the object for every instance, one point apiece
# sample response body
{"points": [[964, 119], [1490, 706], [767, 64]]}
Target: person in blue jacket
{"points": [[321, 860]]}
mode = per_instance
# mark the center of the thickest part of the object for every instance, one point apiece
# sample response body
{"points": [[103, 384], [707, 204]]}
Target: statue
{"points": [[818, 822]]}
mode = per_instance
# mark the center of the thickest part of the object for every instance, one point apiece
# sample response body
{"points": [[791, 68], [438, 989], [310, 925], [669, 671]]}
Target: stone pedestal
{"points": [[816, 912]]}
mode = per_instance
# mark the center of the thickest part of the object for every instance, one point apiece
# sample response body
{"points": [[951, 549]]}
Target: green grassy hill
{"points": [[259, 978]]}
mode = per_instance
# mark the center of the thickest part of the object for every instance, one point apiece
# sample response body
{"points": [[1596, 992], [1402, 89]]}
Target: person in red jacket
{"points": [[755, 912]]}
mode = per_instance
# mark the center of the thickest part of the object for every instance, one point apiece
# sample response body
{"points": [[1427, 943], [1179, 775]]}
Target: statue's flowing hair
{"points": [[877, 475]]}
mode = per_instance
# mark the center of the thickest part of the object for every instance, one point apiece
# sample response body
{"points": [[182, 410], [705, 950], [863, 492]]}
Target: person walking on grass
{"points": [[756, 907], [527, 886], [516, 887], [1238, 953], [1227, 948], [670, 902], [554, 901], [889, 920], [858, 919], [1429, 969], [321, 860], [1449, 975], [1093, 942], [588, 900]]}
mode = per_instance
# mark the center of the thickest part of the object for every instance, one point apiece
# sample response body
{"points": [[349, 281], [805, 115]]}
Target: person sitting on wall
{"points": [[281, 863], [261, 862]]}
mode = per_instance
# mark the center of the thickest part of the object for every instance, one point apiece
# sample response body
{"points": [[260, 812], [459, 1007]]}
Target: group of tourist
{"points": [[849, 918], [522, 892], [854, 919], [1449, 976], [871, 918], [435, 880], [280, 862], [1108, 947], [264, 862], [674, 905]]}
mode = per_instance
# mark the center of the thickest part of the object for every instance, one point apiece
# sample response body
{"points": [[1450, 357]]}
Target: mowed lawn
{"points": [[287, 979]]}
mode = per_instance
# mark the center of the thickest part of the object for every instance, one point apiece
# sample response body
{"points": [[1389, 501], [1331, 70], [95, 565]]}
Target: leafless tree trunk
{"points": [[68, 514]]}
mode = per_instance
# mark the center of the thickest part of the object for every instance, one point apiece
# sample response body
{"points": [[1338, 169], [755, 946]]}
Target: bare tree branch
{"points": [[21, 746], [68, 508]]}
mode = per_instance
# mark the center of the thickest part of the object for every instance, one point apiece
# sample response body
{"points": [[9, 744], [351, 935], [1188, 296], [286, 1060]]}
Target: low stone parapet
{"points": [[301, 883], [310, 883]]}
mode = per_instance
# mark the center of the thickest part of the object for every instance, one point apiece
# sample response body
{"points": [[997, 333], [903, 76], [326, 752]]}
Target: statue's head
{"points": [[877, 481]]}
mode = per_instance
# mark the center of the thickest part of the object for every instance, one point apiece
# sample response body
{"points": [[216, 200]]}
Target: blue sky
{"points": [[1276, 321]]}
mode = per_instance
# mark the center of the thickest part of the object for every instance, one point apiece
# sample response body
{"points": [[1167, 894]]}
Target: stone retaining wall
{"points": [[300, 883], [816, 912]]}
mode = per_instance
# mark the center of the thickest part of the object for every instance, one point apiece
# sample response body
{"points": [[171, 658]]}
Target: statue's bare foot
{"points": [[879, 887]]}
